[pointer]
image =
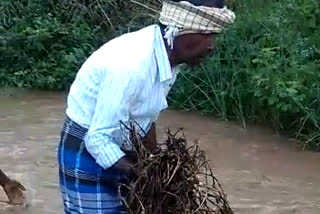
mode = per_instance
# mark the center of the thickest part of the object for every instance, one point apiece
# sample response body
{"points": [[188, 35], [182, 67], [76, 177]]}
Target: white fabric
{"points": [[170, 33], [127, 79]]}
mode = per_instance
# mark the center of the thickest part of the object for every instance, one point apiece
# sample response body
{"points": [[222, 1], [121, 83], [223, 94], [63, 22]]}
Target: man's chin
{"points": [[194, 62]]}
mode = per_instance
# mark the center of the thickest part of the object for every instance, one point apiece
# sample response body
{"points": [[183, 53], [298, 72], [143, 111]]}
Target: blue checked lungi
{"points": [[85, 186]]}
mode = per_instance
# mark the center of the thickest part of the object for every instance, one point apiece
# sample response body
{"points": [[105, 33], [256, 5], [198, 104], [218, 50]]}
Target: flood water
{"points": [[260, 172]]}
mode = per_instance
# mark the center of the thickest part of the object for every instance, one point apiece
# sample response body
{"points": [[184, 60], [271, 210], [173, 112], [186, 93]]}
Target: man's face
{"points": [[193, 48]]}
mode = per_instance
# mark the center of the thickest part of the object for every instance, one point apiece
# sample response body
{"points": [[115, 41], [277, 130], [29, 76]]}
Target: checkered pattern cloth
{"points": [[86, 187], [183, 18]]}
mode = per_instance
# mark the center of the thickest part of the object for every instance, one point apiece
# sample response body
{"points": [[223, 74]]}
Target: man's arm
{"points": [[116, 95]]}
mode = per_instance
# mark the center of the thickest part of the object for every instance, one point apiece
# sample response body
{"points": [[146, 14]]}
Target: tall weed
{"points": [[266, 70]]}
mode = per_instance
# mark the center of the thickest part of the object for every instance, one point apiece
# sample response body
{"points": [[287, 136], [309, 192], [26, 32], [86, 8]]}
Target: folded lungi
{"points": [[85, 186]]}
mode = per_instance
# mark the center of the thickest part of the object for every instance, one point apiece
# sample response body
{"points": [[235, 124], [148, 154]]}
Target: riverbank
{"points": [[265, 70]]}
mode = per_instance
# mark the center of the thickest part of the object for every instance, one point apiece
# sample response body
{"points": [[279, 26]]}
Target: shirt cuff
{"points": [[109, 155]]}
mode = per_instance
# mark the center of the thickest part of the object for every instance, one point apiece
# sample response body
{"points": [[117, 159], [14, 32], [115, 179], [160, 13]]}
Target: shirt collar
{"points": [[164, 67]]}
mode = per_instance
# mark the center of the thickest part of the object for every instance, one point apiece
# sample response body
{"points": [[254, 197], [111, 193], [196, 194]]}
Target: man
{"points": [[127, 79], [13, 189]]}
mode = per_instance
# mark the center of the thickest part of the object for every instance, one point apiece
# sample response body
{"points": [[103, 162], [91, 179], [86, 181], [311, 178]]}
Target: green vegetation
{"points": [[266, 69], [43, 43]]}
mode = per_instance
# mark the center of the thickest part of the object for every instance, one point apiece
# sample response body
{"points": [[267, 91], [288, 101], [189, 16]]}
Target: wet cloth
{"points": [[85, 186]]}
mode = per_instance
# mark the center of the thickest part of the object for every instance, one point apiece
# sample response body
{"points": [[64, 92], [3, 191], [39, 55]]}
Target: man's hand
{"points": [[14, 191], [126, 169], [150, 140]]}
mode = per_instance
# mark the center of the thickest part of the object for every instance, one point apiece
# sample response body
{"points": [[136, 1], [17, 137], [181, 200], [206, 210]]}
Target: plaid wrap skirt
{"points": [[86, 187]]}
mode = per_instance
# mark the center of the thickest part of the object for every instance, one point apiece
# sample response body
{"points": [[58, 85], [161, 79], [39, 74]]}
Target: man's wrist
{"points": [[150, 140]]}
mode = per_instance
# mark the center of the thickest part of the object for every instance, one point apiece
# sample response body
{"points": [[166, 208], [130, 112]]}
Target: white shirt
{"points": [[126, 79]]}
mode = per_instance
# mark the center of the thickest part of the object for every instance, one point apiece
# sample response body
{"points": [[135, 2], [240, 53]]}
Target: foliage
{"points": [[43, 43], [266, 68]]}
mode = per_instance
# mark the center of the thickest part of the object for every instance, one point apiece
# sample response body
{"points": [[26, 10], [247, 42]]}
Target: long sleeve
{"points": [[115, 96], [124, 80]]}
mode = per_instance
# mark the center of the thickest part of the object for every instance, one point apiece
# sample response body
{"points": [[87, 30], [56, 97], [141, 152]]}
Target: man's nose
{"points": [[212, 47], [211, 44]]}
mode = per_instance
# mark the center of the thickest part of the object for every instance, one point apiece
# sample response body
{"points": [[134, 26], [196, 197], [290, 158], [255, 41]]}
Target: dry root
{"points": [[173, 179]]}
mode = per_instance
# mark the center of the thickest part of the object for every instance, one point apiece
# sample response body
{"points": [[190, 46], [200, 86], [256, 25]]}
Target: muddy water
{"points": [[261, 173]]}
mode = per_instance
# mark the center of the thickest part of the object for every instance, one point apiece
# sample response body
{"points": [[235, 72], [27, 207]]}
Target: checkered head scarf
{"points": [[184, 18]]}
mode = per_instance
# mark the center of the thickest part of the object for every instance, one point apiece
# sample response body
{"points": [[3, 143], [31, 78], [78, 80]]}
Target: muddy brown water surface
{"points": [[261, 173]]}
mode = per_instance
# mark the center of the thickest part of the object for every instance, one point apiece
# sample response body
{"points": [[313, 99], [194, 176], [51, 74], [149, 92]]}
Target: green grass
{"points": [[43, 43], [266, 69]]}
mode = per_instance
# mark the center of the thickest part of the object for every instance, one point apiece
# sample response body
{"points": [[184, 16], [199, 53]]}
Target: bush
{"points": [[266, 70], [43, 43]]}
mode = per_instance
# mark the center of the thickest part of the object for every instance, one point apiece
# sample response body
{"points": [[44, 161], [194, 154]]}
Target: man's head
{"points": [[192, 48], [191, 28]]}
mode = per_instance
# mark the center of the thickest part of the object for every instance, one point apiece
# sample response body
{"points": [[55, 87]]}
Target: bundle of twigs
{"points": [[175, 178]]}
